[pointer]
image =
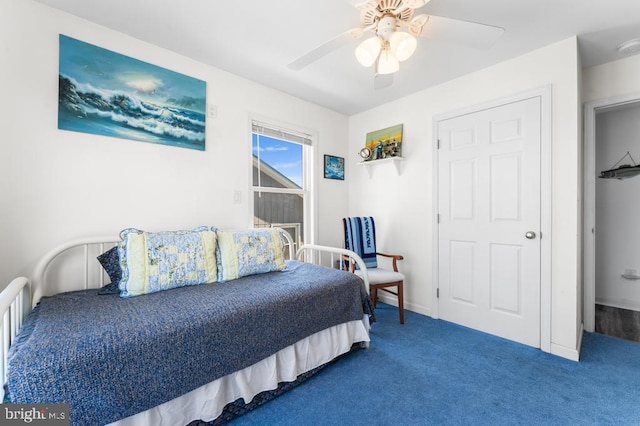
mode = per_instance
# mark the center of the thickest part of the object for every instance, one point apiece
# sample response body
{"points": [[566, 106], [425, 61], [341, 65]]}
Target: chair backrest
{"points": [[360, 237]]}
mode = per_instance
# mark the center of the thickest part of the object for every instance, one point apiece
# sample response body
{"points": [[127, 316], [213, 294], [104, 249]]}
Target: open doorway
{"points": [[612, 206]]}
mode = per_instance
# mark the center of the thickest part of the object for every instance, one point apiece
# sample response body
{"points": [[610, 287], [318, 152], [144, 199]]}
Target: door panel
{"points": [[462, 254], [506, 198], [489, 198], [462, 190], [506, 278]]}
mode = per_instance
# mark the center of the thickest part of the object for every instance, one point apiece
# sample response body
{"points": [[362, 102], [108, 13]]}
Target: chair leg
{"points": [[401, 301], [374, 296]]}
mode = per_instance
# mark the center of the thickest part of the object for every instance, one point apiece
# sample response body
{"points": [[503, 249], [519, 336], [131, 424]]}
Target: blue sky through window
{"points": [[285, 157]]}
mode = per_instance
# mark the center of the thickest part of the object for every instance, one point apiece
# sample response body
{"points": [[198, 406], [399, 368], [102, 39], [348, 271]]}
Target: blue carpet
{"points": [[434, 372]]}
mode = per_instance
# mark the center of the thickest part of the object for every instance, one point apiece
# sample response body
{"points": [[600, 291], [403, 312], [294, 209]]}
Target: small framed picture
{"points": [[333, 167]]}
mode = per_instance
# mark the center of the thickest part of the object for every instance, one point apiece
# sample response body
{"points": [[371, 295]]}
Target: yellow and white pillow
{"points": [[242, 253], [159, 261]]}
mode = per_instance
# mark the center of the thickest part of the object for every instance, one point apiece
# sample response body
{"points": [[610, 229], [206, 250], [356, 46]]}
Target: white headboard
{"points": [[73, 266]]}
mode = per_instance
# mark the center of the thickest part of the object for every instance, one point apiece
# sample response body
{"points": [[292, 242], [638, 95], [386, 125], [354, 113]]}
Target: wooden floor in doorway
{"points": [[617, 322]]}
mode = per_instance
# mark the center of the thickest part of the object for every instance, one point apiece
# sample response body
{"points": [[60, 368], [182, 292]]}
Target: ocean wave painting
{"points": [[106, 93], [333, 167]]}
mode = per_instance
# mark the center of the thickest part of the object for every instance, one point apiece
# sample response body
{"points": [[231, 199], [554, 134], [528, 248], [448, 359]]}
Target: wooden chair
{"points": [[360, 238]]}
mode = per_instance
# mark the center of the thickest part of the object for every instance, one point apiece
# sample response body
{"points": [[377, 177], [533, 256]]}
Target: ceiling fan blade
{"points": [[472, 34], [363, 4], [410, 4], [415, 4], [381, 81], [325, 48]]}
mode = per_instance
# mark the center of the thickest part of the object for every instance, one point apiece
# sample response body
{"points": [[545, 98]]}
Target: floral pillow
{"points": [[153, 262], [242, 253]]}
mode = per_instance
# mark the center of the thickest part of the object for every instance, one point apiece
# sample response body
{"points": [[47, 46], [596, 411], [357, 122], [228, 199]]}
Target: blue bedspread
{"points": [[111, 357]]}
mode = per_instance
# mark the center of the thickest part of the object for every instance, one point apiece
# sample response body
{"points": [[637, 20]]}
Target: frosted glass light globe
{"points": [[367, 52], [403, 45]]}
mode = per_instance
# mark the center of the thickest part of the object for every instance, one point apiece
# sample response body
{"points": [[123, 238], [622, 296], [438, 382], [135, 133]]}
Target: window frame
{"points": [[309, 183]]}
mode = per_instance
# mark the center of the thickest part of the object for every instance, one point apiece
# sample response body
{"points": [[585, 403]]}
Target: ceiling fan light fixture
{"points": [[403, 45], [386, 27], [368, 51], [387, 62]]}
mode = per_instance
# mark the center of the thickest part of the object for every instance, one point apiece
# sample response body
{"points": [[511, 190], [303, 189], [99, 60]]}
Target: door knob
{"points": [[530, 235]]}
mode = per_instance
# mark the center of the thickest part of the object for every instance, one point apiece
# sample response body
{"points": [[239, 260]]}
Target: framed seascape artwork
{"points": [[106, 93], [333, 167], [383, 143]]}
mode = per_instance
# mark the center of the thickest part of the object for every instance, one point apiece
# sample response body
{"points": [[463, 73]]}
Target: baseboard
{"points": [[580, 336], [619, 303], [572, 354], [392, 300]]}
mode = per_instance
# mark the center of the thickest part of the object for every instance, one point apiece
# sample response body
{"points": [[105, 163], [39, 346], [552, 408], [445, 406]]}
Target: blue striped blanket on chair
{"points": [[360, 237]]}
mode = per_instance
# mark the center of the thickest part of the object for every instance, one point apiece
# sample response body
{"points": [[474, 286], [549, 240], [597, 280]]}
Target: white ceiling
{"points": [[256, 39]]}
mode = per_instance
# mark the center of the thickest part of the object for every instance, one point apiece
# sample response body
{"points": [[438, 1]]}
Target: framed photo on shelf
{"points": [[383, 143], [333, 167]]}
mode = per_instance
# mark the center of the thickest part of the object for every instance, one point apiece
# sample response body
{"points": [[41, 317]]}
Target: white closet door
{"points": [[489, 230]]}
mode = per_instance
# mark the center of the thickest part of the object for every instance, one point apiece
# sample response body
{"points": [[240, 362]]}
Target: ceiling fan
{"points": [[390, 44]]}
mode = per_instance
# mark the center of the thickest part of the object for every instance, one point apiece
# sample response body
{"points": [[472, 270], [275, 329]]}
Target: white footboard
{"points": [[320, 255], [15, 304]]}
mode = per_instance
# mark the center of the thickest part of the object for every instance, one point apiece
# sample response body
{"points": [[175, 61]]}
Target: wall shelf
{"points": [[630, 277], [368, 165]]}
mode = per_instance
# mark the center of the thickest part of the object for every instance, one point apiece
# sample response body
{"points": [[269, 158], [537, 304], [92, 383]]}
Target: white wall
{"points": [[403, 205], [617, 209], [617, 78], [56, 185]]}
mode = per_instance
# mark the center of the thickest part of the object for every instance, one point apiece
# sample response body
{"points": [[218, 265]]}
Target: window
{"points": [[281, 195]]}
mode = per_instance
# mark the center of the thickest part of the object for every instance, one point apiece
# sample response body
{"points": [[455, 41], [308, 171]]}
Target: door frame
{"points": [[589, 207], [544, 93]]}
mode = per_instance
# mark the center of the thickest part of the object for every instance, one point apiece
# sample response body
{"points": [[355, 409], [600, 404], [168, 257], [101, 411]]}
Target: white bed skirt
{"points": [[207, 402]]}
